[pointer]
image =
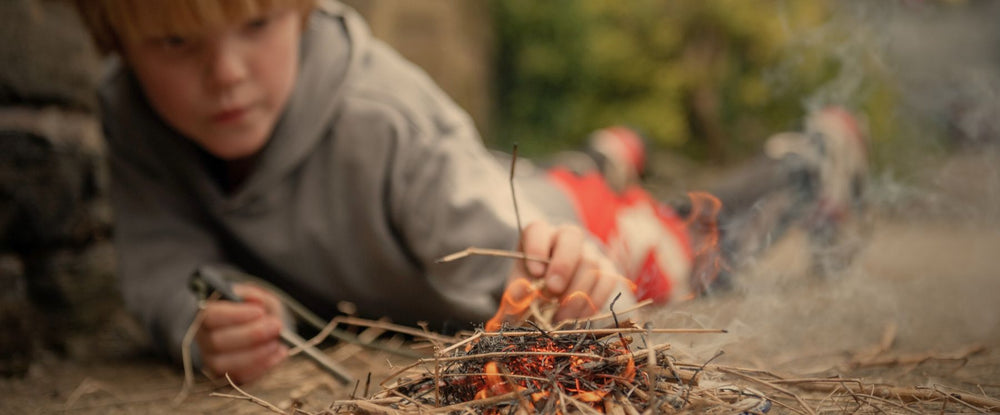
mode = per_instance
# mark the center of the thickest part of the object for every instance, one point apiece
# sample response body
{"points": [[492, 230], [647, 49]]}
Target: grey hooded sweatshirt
{"points": [[370, 175]]}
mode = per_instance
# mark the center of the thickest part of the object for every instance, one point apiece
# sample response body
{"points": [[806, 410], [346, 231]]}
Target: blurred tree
{"points": [[712, 79]]}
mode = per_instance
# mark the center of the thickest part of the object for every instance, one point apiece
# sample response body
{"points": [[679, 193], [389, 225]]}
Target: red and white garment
{"points": [[645, 238]]}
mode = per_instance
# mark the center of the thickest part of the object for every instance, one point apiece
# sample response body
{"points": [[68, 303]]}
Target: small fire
{"points": [[495, 385], [569, 365], [702, 226], [548, 365]]}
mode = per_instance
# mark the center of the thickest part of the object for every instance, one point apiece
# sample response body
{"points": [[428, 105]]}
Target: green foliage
{"points": [[712, 79]]}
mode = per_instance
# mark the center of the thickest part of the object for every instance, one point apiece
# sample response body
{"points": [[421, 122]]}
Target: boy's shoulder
{"points": [[379, 78]]}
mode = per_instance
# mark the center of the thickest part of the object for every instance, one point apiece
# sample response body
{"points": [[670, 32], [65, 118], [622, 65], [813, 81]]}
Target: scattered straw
{"points": [[582, 370]]}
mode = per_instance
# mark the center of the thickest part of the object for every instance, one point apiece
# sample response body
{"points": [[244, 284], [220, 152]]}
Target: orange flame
{"points": [[629, 374], [702, 226], [518, 297], [580, 297], [515, 302], [495, 385]]}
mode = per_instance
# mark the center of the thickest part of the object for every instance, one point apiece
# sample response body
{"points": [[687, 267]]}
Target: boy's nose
{"points": [[226, 67]]}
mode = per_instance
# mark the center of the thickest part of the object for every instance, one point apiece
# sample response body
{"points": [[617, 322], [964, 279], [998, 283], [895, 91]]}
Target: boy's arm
{"points": [[451, 193], [159, 243]]}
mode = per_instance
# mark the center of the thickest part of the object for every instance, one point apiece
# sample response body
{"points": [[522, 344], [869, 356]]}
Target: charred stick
{"points": [[624, 358]]}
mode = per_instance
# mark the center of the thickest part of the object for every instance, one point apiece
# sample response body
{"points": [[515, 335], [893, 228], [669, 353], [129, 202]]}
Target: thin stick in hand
{"points": [[513, 194], [490, 252]]}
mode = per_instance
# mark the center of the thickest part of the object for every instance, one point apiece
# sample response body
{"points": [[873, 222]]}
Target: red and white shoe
{"points": [[835, 150], [620, 153]]}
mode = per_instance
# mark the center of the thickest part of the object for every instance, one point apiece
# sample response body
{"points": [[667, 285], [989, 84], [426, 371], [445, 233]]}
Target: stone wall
{"points": [[450, 39], [56, 261]]}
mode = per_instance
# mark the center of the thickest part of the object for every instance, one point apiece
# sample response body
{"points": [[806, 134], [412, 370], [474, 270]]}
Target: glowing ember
{"points": [[545, 368]]}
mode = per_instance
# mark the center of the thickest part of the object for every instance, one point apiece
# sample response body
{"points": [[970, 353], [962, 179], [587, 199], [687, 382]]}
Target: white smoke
{"points": [[929, 267]]}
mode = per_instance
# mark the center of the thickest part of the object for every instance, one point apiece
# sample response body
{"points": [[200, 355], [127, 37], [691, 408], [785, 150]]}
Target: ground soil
{"points": [[919, 307]]}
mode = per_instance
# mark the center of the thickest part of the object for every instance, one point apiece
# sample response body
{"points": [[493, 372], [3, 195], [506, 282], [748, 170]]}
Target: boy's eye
{"points": [[258, 23], [172, 42]]}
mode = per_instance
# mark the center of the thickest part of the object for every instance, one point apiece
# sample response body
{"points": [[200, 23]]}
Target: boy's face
{"points": [[225, 86]]}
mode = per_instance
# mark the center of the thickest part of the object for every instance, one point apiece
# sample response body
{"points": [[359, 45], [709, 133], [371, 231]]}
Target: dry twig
{"points": [[186, 344], [246, 396]]}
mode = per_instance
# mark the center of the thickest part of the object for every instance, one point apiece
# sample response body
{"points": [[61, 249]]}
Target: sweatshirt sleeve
{"points": [[444, 191], [159, 243], [451, 195]]}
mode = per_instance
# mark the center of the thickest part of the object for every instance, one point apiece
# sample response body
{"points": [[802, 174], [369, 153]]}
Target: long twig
{"points": [[467, 340], [186, 344], [269, 406], [369, 407], [603, 332], [916, 359], [903, 394], [774, 386], [513, 194], [332, 325], [480, 402], [606, 315], [354, 321], [520, 230], [470, 251]]}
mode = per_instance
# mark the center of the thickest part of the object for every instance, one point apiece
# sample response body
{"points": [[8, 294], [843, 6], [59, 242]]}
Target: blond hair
{"points": [[113, 22]]}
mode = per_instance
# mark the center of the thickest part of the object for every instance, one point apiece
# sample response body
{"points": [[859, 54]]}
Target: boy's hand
{"points": [[242, 339], [574, 268]]}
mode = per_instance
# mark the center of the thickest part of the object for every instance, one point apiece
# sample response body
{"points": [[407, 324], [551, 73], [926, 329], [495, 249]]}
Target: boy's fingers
{"points": [[605, 288], [227, 313], [583, 284], [596, 281], [241, 336], [537, 242], [574, 306], [609, 283], [257, 295], [567, 253], [247, 365]]}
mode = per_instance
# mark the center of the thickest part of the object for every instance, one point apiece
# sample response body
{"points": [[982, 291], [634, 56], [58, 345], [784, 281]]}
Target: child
{"points": [[280, 138]]}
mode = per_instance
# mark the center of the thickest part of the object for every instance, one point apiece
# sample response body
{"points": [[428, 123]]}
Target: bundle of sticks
{"points": [[616, 370], [619, 371], [518, 370]]}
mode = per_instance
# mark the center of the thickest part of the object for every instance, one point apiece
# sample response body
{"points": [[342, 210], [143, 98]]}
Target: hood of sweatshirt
{"points": [[323, 69]]}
